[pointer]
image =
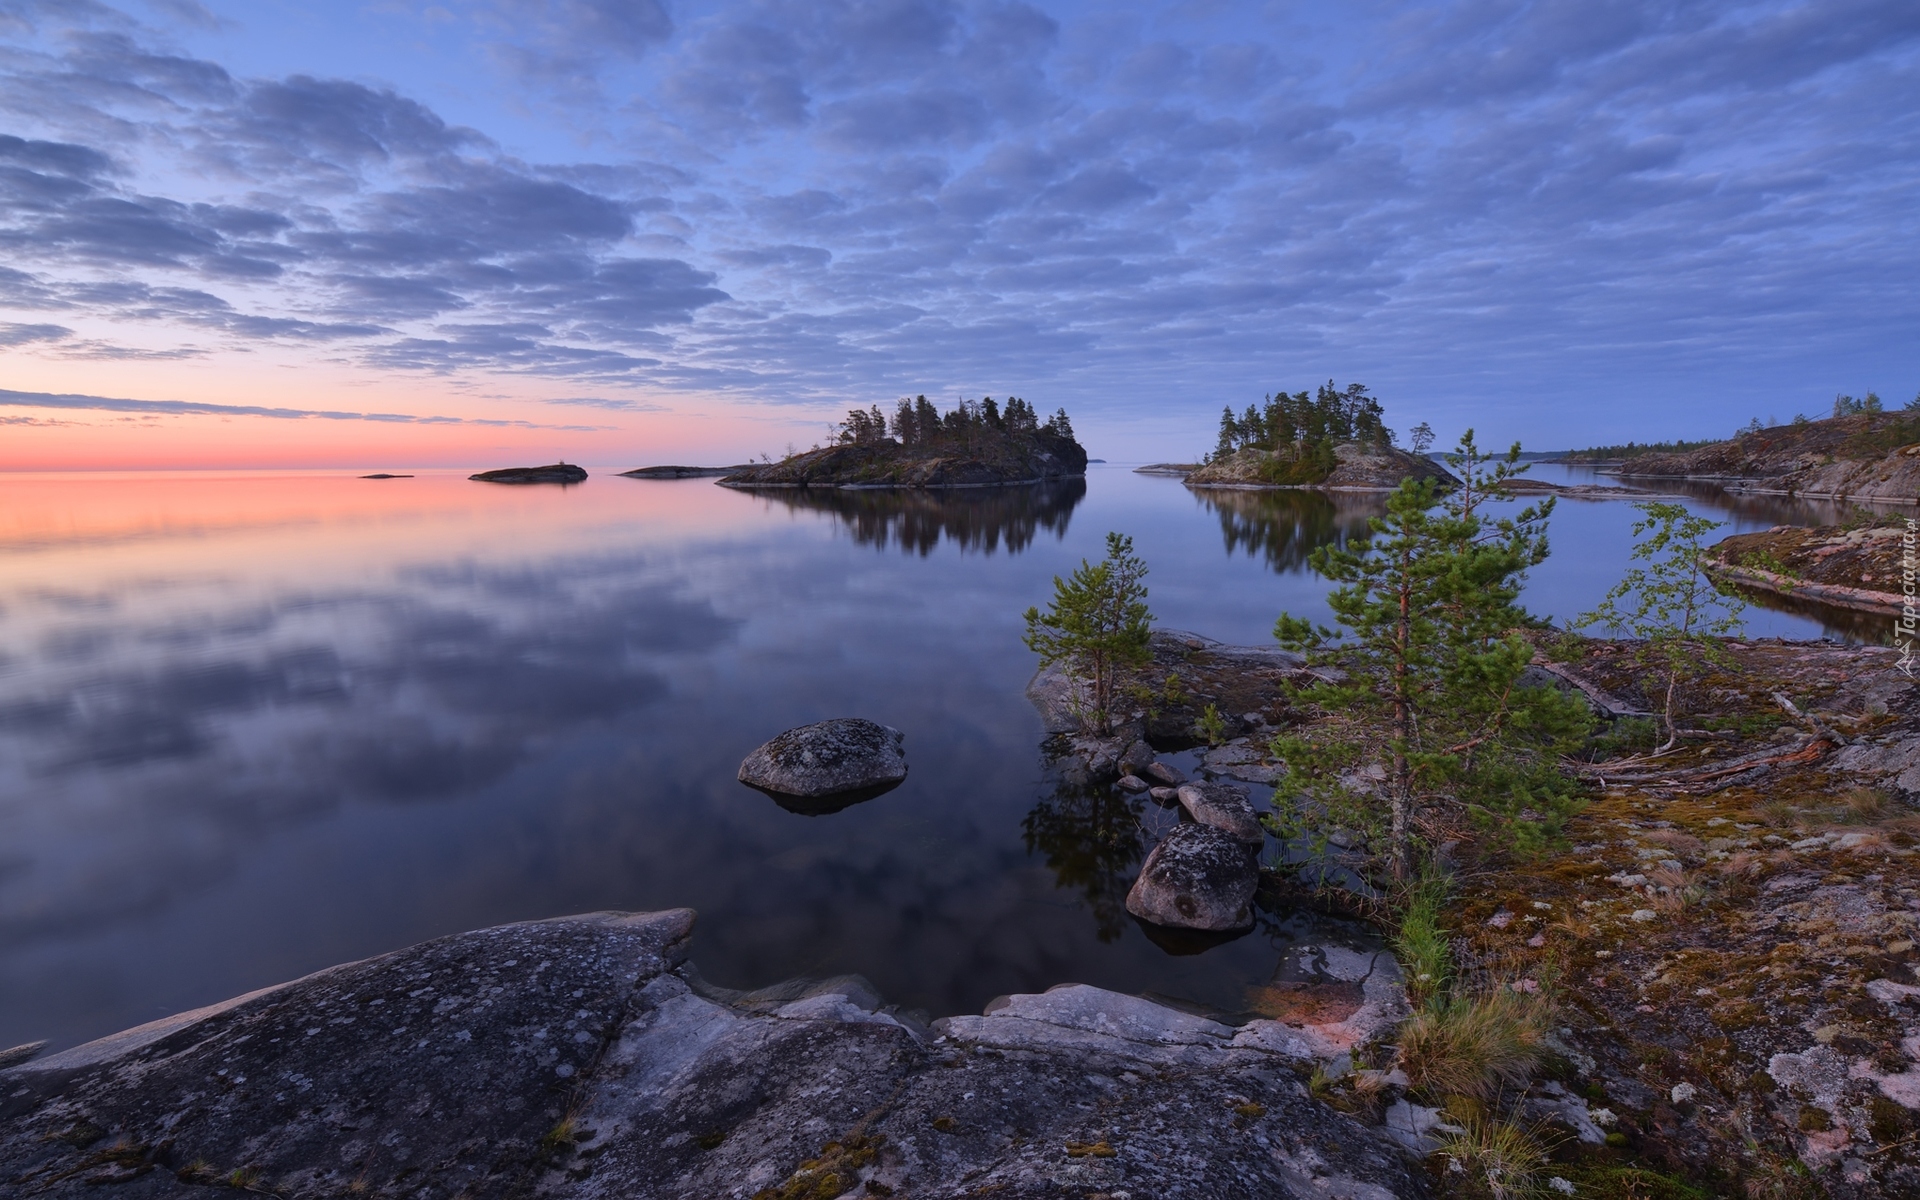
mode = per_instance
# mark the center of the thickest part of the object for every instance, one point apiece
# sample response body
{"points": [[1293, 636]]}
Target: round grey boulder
{"points": [[1224, 807], [831, 758], [1198, 877]]}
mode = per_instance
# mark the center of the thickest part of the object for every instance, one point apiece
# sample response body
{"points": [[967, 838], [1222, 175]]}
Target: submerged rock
{"points": [[581, 1057], [551, 473], [1198, 877], [838, 758], [1224, 807]]}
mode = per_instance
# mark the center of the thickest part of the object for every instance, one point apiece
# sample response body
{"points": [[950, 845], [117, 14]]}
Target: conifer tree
{"points": [[1097, 625], [1431, 654]]}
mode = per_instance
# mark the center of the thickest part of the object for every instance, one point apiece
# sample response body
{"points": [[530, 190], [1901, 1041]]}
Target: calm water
{"points": [[252, 725]]}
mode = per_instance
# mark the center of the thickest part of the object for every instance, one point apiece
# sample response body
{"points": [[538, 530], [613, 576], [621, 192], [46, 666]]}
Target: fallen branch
{"points": [[1602, 699], [1814, 723]]}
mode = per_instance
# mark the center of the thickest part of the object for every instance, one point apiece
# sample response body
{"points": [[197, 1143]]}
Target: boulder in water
{"points": [[845, 759], [1198, 877], [1224, 807]]}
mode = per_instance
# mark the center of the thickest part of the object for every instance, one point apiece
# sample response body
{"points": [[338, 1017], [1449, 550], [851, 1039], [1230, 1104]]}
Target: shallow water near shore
{"points": [[254, 724]]}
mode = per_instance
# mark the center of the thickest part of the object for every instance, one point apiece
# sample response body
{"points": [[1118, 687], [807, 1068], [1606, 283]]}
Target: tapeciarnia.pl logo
{"points": [[1905, 629]]}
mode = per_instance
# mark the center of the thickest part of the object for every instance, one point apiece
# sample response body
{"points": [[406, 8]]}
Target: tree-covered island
{"points": [[1333, 439], [974, 444]]}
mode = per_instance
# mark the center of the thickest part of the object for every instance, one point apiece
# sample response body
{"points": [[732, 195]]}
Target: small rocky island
{"points": [[551, 473], [973, 445], [1334, 440]]}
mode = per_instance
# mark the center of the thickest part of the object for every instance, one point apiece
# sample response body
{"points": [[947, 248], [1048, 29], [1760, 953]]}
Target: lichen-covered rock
{"points": [[573, 1059], [847, 754], [1198, 877], [1224, 807]]}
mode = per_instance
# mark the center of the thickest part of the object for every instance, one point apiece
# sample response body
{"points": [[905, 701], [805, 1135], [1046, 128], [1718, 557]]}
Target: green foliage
{"points": [[969, 426], [1211, 725], [1432, 657], [1420, 438], [1419, 942], [1097, 626], [1290, 425], [1677, 610], [1847, 406]]}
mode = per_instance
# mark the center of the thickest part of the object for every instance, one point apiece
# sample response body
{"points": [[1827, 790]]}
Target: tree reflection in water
{"points": [[1286, 526], [916, 520], [1092, 839]]}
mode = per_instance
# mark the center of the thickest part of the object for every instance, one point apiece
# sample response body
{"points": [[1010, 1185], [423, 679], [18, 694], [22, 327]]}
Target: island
{"points": [[1866, 455], [551, 473], [1332, 440], [975, 444], [678, 472]]}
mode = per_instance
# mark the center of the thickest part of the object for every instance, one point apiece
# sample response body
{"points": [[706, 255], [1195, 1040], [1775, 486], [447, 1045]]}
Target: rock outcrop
{"points": [[581, 1057], [1851, 568], [1872, 456], [845, 759], [551, 473], [1198, 877], [1224, 807], [1356, 468], [678, 472]]}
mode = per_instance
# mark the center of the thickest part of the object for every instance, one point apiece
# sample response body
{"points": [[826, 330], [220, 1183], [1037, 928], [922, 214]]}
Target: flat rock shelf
{"points": [[584, 1057]]}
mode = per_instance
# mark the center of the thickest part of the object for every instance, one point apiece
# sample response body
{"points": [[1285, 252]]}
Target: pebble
{"points": [[1132, 783], [1643, 914]]}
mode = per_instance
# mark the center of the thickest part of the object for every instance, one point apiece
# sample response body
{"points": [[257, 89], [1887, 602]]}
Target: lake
{"points": [[254, 724]]}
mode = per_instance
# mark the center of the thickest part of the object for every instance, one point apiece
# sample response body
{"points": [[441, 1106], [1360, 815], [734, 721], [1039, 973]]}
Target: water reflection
{"points": [[1092, 839], [981, 520], [1284, 527]]}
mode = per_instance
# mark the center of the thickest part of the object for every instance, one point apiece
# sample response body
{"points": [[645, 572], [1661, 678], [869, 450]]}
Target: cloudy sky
{"points": [[286, 232]]}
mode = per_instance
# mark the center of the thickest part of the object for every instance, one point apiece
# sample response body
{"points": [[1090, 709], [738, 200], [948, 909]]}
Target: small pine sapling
{"points": [[1677, 610], [1097, 626]]}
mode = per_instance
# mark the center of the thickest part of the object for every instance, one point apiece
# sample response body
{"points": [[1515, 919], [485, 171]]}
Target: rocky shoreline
{"points": [[584, 1057], [1859, 568]]}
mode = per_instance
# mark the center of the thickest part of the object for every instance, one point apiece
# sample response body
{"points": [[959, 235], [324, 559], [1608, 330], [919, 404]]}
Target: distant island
{"points": [[975, 444], [1856, 455], [677, 472], [1332, 440], [551, 473]]}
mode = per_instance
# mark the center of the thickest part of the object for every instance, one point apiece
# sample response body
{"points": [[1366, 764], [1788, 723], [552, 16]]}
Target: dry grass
{"points": [[1498, 1160], [1679, 890], [1675, 840], [1474, 1045], [1869, 806]]}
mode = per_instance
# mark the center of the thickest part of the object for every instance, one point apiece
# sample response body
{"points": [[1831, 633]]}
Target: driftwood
{"points": [[1810, 749], [1602, 699]]}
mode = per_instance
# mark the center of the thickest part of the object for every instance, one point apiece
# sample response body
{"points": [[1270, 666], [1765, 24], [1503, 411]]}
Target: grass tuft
{"points": [[1498, 1160], [1474, 1045]]}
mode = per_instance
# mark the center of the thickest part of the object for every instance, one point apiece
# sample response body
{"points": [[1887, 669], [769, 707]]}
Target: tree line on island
{"points": [[918, 424]]}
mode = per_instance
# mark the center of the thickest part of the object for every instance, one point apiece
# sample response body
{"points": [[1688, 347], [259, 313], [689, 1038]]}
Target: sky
{"points": [[325, 233]]}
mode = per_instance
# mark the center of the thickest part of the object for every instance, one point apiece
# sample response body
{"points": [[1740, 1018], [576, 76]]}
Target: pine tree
{"points": [[1431, 654], [1097, 625], [1678, 611]]}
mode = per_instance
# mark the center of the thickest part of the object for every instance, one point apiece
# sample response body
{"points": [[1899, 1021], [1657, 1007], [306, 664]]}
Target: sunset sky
{"points": [[326, 233]]}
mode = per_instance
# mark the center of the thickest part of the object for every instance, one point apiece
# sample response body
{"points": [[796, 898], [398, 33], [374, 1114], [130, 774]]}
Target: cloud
{"points": [[14, 399], [20, 335], [611, 403], [795, 201]]}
